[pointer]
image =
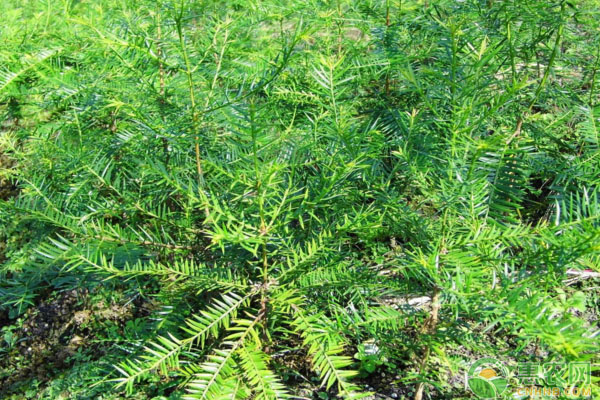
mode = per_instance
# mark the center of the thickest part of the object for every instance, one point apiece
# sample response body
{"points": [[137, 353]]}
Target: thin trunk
{"points": [[429, 327]]}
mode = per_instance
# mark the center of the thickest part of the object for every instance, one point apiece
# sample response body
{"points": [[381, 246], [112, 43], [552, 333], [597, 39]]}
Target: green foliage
{"points": [[290, 176]]}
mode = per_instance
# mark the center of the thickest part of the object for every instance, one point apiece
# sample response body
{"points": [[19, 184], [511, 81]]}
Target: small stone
{"points": [[394, 395]]}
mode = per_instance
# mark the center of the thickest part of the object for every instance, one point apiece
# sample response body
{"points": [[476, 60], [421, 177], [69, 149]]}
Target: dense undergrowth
{"points": [[265, 199]]}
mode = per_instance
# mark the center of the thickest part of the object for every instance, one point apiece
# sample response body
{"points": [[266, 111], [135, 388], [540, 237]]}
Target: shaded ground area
{"points": [[65, 329], [7, 188]]}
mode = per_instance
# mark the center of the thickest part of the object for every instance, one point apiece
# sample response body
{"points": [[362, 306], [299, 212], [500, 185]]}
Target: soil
{"points": [[7, 188], [54, 331]]}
